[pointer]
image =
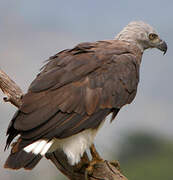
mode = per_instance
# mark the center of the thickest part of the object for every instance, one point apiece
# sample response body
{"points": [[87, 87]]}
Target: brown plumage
{"points": [[74, 91]]}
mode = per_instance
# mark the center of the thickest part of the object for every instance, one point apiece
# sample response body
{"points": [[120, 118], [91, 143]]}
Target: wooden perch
{"points": [[102, 171], [10, 89]]}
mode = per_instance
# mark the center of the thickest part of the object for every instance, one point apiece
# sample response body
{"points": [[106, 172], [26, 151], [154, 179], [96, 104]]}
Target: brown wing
{"points": [[76, 90]]}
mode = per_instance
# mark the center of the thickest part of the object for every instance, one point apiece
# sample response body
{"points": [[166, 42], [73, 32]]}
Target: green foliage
{"points": [[146, 157]]}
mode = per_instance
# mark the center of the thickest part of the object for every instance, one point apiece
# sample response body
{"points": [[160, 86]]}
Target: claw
{"points": [[95, 160], [89, 170], [116, 164]]}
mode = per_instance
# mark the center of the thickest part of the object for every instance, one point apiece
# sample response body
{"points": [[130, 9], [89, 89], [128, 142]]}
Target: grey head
{"points": [[143, 35]]}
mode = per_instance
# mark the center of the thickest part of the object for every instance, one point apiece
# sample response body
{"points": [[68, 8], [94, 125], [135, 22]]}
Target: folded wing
{"points": [[76, 90]]}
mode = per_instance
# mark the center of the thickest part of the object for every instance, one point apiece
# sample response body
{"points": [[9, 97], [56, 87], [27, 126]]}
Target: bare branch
{"points": [[10, 89], [102, 171]]}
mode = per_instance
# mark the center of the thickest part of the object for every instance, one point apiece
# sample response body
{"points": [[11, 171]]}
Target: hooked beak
{"points": [[162, 46]]}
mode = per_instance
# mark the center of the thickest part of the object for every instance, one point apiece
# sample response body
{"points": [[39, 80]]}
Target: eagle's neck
{"points": [[131, 37]]}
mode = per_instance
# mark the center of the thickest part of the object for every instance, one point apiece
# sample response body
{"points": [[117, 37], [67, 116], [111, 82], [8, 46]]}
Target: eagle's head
{"points": [[143, 35]]}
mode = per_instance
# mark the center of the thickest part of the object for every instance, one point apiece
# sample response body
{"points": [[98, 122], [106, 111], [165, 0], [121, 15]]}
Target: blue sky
{"points": [[31, 31]]}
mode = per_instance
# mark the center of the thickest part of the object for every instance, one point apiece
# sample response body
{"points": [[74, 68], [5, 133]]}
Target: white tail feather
{"points": [[30, 147], [39, 147], [46, 148]]}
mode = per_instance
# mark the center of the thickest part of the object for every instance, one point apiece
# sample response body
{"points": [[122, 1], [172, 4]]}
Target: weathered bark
{"points": [[10, 89], [102, 171]]}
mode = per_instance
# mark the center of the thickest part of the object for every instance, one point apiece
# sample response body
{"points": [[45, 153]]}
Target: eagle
{"points": [[74, 92]]}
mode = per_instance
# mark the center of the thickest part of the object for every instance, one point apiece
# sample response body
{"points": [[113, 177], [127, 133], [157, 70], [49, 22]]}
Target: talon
{"points": [[83, 163], [89, 170], [116, 164], [96, 159]]}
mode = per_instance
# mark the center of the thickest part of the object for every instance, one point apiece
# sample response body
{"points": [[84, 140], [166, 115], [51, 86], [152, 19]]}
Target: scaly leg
{"points": [[95, 160], [95, 155]]}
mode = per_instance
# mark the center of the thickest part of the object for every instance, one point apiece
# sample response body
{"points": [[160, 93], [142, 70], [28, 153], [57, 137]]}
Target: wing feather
{"points": [[76, 90]]}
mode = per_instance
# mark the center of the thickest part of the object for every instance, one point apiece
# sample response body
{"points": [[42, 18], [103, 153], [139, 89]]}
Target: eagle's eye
{"points": [[153, 36]]}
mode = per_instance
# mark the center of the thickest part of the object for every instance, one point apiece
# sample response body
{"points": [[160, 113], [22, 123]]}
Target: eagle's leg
{"points": [[95, 155], [95, 160], [83, 163]]}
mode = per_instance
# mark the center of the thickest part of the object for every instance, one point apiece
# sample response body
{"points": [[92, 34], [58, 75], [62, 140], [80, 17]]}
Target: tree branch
{"points": [[10, 89], [102, 171]]}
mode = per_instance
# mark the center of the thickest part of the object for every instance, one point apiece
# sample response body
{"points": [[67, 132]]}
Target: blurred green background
{"points": [[141, 136], [145, 156]]}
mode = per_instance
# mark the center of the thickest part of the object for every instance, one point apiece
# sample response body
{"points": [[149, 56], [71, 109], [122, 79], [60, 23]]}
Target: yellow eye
{"points": [[152, 36]]}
